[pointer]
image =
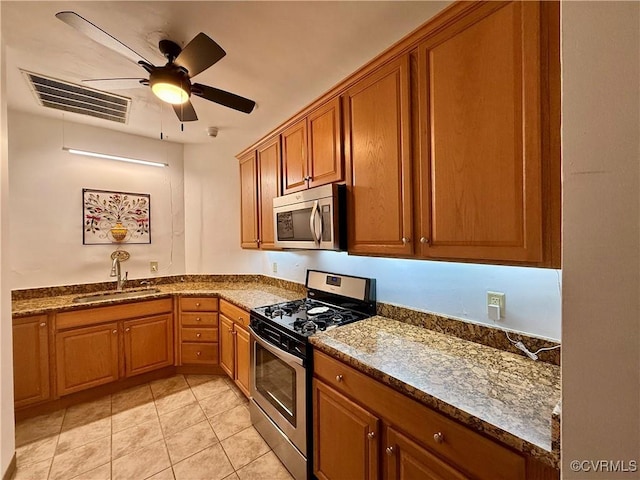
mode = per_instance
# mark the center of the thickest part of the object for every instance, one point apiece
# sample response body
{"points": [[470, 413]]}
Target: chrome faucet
{"points": [[116, 271]]}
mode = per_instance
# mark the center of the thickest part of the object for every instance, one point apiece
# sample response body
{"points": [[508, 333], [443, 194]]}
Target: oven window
{"points": [[276, 381], [294, 225]]}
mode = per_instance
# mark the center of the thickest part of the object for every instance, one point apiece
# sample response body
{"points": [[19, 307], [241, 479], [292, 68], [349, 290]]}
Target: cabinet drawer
{"points": [[234, 313], [199, 334], [199, 353], [198, 304], [197, 319], [472, 452]]}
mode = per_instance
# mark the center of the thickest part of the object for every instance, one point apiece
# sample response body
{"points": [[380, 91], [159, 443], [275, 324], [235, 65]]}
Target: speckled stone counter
{"points": [[506, 396], [246, 295]]}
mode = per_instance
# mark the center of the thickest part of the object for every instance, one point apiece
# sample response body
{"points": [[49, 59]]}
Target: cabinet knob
{"points": [[371, 435], [389, 451], [197, 354], [234, 333], [198, 335], [258, 241], [197, 319], [424, 240], [438, 437], [197, 304], [339, 378], [114, 331], [231, 330], [127, 329], [406, 240], [43, 324]]}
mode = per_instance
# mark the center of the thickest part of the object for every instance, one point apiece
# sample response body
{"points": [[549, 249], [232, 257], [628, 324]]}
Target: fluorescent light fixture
{"points": [[114, 157]]}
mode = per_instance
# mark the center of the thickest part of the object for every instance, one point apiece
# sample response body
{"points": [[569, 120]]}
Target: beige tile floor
{"points": [[186, 427]]}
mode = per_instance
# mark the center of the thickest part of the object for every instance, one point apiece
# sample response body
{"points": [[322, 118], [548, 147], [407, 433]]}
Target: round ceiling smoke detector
{"points": [[212, 131]]}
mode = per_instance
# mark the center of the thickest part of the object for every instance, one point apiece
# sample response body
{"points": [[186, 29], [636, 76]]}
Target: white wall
{"points": [[46, 201], [212, 212], [601, 245], [7, 428], [454, 289]]}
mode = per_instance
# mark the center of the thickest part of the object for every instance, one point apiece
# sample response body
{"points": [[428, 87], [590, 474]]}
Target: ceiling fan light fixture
{"points": [[169, 92]]}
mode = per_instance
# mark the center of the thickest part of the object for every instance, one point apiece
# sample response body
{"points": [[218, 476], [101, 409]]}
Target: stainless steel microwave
{"points": [[313, 219]]}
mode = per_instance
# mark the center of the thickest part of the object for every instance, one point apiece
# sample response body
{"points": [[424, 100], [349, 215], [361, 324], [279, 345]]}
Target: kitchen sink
{"points": [[115, 295]]}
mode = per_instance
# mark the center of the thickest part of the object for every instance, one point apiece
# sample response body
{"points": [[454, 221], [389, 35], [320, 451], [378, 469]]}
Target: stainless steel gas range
{"points": [[281, 359]]}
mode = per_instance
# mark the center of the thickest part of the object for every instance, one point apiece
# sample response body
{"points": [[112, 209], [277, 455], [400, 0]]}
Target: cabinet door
{"points": [[480, 124], [242, 358], [406, 460], [148, 344], [377, 151], [86, 357], [294, 157], [30, 360], [325, 144], [268, 189], [249, 202], [226, 345], [345, 437]]}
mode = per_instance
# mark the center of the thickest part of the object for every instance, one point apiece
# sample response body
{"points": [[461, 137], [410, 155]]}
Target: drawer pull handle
{"points": [[371, 435], [43, 324], [197, 354], [438, 437], [197, 304], [198, 335], [339, 378], [240, 320], [390, 451]]}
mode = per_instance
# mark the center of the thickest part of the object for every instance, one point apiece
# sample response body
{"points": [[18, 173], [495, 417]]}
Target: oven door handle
{"points": [[286, 356]]}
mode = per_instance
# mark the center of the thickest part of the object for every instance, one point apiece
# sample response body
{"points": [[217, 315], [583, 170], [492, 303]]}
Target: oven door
{"points": [[278, 383]]}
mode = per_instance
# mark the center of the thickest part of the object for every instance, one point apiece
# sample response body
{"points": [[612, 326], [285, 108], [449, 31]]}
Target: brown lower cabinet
{"points": [[235, 344], [198, 331], [365, 429], [31, 360], [93, 351]]}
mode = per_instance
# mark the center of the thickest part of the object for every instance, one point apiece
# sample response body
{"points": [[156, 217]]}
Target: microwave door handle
{"points": [[319, 213], [312, 222]]}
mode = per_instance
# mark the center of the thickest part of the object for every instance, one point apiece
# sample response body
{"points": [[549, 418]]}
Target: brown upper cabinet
{"points": [[451, 140], [377, 142], [312, 149], [478, 176], [259, 185]]}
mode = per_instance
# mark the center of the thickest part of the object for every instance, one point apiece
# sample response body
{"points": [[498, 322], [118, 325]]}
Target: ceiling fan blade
{"points": [[185, 112], [96, 34], [114, 83], [199, 54], [227, 99]]}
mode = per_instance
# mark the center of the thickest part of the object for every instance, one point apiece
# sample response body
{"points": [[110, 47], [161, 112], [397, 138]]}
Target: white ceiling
{"points": [[283, 55]]}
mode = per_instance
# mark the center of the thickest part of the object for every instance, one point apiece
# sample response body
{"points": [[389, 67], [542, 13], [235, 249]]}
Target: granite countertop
{"points": [[506, 396], [246, 295]]}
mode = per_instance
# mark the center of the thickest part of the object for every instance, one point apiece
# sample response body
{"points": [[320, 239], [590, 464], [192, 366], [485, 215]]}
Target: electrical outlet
{"points": [[497, 298], [274, 267], [154, 267]]}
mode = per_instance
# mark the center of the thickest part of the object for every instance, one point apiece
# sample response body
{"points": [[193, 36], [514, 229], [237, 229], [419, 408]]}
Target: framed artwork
{"points": [[115, 217]]}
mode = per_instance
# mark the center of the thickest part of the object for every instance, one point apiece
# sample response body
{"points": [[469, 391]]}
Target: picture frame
{"points": [[110, 217]]}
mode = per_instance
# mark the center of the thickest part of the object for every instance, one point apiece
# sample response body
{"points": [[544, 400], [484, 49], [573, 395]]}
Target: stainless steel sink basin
{"points": [[115, 295]]}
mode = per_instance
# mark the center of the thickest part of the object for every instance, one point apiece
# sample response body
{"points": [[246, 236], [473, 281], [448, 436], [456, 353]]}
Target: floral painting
{"points": [[115, 217]]}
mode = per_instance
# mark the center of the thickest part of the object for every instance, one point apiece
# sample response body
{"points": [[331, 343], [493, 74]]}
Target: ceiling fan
{"points": [[171, 83]]}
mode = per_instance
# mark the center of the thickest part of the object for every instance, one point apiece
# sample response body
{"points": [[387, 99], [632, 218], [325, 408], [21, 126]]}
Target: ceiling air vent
{"points": [[69, 97]]}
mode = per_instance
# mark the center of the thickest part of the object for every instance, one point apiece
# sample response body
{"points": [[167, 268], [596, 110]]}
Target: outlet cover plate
{"points": [[153, 266], [496, 298]]}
